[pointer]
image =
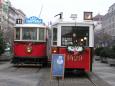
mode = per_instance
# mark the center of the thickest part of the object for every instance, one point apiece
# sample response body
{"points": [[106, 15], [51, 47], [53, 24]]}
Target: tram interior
{"points": [[75, 36]]}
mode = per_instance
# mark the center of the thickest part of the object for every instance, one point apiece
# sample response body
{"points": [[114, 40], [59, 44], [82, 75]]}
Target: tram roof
{"points": [[31, 25], [72, 23]]}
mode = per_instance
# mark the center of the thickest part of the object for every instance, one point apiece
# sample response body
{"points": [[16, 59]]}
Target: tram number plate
{"points": [[74, 57]]}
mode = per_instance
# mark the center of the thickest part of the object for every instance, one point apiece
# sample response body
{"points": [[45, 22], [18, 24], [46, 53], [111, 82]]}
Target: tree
{"points": [[1, 43]]}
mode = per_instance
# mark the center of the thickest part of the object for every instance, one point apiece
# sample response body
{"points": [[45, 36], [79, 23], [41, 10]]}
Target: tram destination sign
{"points": [[33, 20], [57, 65]]}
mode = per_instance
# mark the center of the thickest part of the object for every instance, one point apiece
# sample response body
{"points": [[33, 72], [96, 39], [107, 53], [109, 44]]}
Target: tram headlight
{"points": [[54, 50], [29, 49]]}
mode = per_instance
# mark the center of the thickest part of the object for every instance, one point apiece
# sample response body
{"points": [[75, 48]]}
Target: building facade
{"points": [[108, 25], [98, 31], [8, 16], [13, 14]]}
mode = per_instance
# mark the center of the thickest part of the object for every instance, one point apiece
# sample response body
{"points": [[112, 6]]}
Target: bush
{"points": [[1, 44], [112, 53], [98, 50], [105, 52], [113, 48]]}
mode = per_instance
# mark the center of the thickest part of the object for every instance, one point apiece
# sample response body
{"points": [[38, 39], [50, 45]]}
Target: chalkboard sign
{"points": [[57, 65]]}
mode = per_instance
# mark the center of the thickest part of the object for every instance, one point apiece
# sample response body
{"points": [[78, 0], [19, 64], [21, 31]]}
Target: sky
{"points": [[47, 9]]}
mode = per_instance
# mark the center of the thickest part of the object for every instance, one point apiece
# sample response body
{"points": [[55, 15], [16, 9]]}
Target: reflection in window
{"points": [[74, 36], [29, 33], [41, 34], [0, 19], [54, 36], [17, 33]]}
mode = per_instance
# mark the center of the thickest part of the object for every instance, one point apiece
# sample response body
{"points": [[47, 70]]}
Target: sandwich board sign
{"points": [[57, 65]]}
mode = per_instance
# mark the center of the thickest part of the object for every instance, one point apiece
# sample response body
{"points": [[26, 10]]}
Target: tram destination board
{"points": [[57, 65]]}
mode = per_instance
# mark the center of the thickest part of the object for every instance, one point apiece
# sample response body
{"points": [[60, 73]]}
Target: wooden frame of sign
{"points": [[57, 66]]}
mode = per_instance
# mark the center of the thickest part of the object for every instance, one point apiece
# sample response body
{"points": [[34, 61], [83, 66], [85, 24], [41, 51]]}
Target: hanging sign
{"points": [[33, 20]]}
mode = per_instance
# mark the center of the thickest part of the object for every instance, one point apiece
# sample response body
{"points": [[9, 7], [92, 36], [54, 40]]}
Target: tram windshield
{"points": [[74, 36], [29, 34]]}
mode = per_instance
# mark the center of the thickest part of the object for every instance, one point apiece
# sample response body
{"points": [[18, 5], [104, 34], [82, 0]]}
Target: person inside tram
{"points": [[27, 36]]}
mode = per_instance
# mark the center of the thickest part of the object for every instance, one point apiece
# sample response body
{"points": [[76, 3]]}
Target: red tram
{"points": [[30, 42], [76, 41]]}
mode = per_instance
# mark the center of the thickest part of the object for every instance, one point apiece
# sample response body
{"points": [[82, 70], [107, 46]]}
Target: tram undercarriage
{"points": [[29, 60]]}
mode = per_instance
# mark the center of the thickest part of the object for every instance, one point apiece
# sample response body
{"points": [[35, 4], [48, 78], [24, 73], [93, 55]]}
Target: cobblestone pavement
{"points": [[105, 71], [12, 76], [36, 76]]}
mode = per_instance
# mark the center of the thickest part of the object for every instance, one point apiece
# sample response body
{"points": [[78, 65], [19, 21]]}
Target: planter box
{"points": [[111, 61]]}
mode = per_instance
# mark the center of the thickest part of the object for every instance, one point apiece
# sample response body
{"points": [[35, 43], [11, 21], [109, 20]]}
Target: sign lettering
{"points": [[33, 20], [74, 57]]}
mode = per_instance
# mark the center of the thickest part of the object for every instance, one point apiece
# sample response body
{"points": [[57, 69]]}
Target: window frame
{"points": [[54, 41], [37, 34]]}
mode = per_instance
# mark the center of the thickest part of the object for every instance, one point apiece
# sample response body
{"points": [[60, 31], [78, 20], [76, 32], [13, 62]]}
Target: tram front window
{"points": [[29, 34], [41, 34], [74, 36]]}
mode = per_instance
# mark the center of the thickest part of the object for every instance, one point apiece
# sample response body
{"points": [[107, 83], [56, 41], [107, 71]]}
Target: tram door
{"points": [[49, 44]]}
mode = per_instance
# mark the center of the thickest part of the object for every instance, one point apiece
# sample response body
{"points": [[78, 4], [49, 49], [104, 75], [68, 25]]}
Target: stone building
{"points": [[8, 16], [98, 30], [108, 25]]}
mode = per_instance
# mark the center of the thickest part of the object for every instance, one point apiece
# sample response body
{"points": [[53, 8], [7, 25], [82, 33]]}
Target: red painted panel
{"points": [[37, 49], [80, 61]]}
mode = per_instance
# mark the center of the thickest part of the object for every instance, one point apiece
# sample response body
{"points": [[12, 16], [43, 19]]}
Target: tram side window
{"points": [[29, 33], [17, 33], [54, 36], [41, 34]]}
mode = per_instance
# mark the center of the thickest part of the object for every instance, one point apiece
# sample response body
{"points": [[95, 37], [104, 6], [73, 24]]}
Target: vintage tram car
{"points": [[76, 41], [30, 41]]}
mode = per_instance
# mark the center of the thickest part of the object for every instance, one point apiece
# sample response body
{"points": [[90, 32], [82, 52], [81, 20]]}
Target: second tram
{"points": [[76, 41]]}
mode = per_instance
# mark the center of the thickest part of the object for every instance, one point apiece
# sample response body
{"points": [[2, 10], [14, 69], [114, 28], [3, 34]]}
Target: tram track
{"points": [[43, 75], [8, 67], [93, 83]]}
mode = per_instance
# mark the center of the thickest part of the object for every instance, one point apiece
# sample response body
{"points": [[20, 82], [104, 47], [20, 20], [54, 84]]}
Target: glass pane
{"points": [[54, 34], [29, 33], [72, 35], [41, 34], [0, 19], [17, 33]]}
